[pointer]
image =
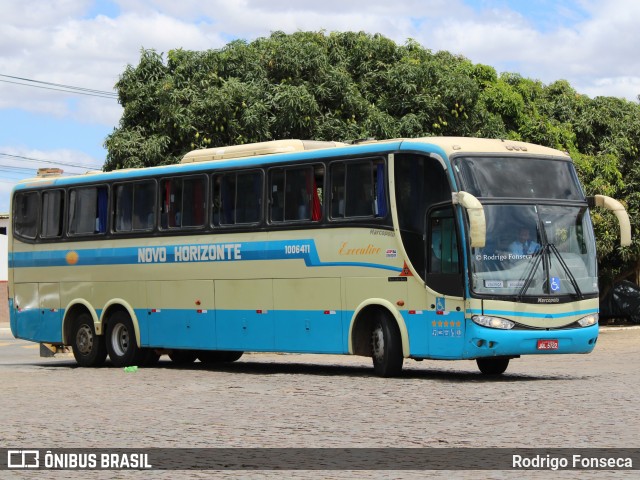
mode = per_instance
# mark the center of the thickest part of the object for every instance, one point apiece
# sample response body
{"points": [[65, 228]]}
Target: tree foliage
{"points": [[343, 86]]}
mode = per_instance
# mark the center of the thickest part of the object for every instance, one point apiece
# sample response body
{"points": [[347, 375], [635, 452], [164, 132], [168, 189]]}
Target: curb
{"points": [[618, 328]]}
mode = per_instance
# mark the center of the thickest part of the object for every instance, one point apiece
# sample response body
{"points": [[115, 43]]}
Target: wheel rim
{"points": [[120, 340], [377, 344], [84, 339]]}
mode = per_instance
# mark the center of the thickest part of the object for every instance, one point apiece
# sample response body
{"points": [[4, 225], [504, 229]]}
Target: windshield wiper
{"points": [[566, 269], [537, 257]]}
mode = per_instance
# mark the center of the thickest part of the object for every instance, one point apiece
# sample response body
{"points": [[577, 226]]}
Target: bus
{"points": [[441, 248]]}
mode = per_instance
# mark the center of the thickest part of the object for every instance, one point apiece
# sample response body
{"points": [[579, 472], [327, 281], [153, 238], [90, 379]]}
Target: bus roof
{"points": [[253, 154], [458, 145], [451, 145], [256, 149]]}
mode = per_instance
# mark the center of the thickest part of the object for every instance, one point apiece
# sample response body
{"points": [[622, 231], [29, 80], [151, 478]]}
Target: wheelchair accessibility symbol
{"points": [[554, 284], [440, 304]]}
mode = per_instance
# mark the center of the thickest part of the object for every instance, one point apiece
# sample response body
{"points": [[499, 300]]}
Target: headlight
{"points": [[588, 320], [493, 322]]}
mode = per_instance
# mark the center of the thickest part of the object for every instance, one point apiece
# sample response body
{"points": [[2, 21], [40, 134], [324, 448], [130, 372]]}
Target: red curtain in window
{"points": [[312, 190]]}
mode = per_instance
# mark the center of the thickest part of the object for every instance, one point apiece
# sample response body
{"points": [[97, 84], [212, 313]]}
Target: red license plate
{"points": [[547, 344]]}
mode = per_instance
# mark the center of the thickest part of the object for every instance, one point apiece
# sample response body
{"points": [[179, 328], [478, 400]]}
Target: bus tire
{"points": [[121, 341], [183, 357], [88, 348], [386, 347], [493, 365], [218, 356]]}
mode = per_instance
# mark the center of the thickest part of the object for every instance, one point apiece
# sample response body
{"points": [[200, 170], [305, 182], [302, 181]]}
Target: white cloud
{"points": [[56, 41], [17, 163], [89, 53]]}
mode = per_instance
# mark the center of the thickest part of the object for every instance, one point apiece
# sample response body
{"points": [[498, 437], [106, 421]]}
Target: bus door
{"points": [[444, 282]]}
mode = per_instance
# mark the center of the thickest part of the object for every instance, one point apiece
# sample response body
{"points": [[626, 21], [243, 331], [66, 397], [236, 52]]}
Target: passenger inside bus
{"points": [[523, 245]]}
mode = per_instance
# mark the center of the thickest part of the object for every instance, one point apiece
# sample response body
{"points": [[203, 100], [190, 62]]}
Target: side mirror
{"points": [[618, 209], [475, 212]]}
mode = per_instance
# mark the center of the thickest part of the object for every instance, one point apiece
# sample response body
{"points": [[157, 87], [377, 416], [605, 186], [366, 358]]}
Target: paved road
{"points": [[267, 400]]}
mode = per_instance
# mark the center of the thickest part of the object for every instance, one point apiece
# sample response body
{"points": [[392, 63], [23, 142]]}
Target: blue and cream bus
{"points": [[429, 248]]}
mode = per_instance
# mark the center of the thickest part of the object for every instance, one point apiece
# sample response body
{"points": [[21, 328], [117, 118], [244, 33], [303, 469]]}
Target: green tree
{"points": [[349, 85]]}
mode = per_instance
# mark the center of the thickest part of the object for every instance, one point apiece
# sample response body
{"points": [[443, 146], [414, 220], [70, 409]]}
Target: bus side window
{"points": [[443, 245], [237, 198], [25, 214], [277, 195], [216, 200], [193, 202], [144, 205], [88, 210], [359, 183], [358, 189], [337, 190], [52, 213], [183, 202], [380, 200], [249, 197], [294, 194], [134, 207], [123, 207], [297, 199]]}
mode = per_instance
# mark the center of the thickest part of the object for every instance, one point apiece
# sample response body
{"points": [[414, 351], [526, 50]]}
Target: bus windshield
{"points": [[518, 177], [535, 250]]}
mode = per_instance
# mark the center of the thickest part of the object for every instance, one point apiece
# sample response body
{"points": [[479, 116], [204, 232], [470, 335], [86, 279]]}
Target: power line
{"points": [[67, 164], [59, 87]]}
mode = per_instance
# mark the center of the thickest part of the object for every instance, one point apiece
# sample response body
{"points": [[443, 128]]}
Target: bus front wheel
{"points": [[88, 348], [386, 347], [121, 341], [493, 365]]}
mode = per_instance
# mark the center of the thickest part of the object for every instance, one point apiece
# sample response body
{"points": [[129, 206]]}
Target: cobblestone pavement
{"points": [[281, 400]]}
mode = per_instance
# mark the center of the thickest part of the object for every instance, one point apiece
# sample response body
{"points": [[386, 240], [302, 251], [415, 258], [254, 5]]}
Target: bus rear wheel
{"points": [[493, 365], [88, 348], [386, 347], [218, 356], [121, 341]]}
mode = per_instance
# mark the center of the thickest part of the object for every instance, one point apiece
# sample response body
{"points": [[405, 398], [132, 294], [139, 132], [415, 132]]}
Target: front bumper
{"points": [[490, 342]]}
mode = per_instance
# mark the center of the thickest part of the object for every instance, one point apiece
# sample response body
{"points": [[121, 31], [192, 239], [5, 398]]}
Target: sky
{"points": [[47, 46]]}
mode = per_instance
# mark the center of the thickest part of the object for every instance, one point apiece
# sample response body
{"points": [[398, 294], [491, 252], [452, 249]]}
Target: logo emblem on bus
{"points": [[72, 257], [555, 284]]}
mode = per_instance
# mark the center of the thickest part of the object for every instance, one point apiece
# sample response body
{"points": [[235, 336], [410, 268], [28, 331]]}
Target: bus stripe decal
{"points": [[185, 253]]}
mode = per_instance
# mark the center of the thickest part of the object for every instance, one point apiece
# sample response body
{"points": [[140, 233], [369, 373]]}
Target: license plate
{"points": [[547, 344]]}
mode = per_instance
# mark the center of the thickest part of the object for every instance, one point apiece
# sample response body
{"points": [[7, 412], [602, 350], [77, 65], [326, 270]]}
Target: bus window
{"points": [[88, 210], [295, 194], [193, 201], [144, 205], [337, 190], [358, 189], [237, 198], [443, 244], [277, 195], [443, 265], [183, 202], [25, 214], [52, 213], [135, 206]]}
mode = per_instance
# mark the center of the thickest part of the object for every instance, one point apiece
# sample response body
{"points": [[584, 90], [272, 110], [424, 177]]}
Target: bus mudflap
{"points": [[52, 349]]}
